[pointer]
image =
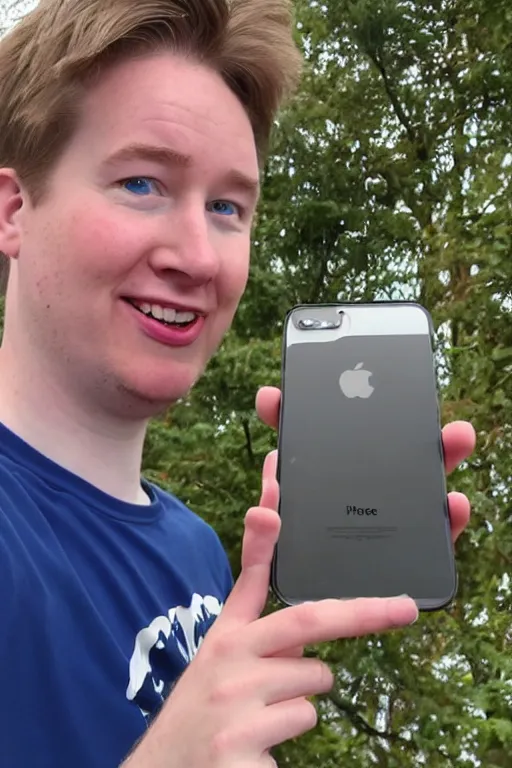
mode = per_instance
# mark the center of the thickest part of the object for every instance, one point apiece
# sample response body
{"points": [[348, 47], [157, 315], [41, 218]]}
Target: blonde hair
{"points": [[50, 57]]}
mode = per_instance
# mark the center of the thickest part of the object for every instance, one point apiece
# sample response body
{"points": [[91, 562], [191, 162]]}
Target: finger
{"points": [[326, 620], [250, 592], [280, 722], [291, 653], [460, 510], [269, 485], [267, 761], [262, 525], [268, 400], [459, 440], [287, 679], [268, 727]]}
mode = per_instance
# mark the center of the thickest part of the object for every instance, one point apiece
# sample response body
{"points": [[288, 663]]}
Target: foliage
{"points": [[389, 177]]}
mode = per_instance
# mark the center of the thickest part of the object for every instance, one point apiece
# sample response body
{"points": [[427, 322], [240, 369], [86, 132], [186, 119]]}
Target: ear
{"points": [[11, 203]]}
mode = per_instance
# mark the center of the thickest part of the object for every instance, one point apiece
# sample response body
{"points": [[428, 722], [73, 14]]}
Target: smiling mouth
{"points": [[165, 315]]}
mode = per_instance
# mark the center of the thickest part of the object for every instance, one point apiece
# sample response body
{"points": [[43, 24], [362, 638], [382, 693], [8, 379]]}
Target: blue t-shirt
{"points": [[102, 605]]}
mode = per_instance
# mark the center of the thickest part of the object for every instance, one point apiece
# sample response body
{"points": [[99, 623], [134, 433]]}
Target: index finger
{"points": [[327, 620]]}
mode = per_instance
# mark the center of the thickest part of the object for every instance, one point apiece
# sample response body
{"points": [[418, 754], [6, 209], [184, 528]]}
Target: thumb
{"points": [[269, 486], [262, 525]]}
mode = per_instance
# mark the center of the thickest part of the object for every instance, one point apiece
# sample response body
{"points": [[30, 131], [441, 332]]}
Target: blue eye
{"points": [[139, 185], [224, 208]]}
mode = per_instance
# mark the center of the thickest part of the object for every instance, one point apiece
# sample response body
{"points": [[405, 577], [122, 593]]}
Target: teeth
{"points": [[166, 314], [184, 317]]}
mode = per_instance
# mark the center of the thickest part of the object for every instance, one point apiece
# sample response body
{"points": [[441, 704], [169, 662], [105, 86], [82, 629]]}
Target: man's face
{"points": [[148, 210]]}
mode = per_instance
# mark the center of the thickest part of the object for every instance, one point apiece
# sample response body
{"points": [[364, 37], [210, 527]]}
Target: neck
{"points": [[103, 450]]}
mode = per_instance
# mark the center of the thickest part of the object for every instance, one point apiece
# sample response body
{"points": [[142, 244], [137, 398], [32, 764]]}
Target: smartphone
{"points": [[363, 500]]}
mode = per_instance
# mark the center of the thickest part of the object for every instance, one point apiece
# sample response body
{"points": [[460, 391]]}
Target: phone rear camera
{"points": [[312, 324]]}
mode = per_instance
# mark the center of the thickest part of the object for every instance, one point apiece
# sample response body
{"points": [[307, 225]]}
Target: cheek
{"points": [[234, 275], [102, 247]]}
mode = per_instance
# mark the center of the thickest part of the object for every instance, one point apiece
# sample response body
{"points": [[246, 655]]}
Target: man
{"points": [[131, 136]]}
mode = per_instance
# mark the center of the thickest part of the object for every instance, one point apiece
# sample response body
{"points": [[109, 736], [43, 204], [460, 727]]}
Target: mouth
{"points": [[167, 316]]}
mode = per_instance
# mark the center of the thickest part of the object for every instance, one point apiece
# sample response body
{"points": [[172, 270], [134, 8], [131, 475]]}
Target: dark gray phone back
{"points": [[363, 496]]}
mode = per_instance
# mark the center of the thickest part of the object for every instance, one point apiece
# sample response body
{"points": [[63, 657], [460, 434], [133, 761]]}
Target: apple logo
{"points": [[354, 383]]}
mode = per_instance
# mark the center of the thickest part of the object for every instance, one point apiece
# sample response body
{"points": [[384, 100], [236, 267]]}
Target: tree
{"points": [[389, 176]]}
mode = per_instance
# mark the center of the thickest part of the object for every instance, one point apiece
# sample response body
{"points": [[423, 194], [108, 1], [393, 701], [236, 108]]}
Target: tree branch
{"points": [[362, 725], [319, 281], [352, 713], [248, 440], [393, 98]]}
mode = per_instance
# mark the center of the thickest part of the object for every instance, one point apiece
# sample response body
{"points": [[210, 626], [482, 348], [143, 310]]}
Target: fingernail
{"points": [[414, 619]]}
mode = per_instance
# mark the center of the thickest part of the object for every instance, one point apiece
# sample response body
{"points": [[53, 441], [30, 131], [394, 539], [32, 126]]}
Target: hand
{"points": [[458, 442], [245, 691]]}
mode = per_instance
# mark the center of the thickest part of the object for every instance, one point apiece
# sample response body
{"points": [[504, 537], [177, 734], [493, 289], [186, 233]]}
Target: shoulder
{"points": [[13, 523], [182, 515], [14, 490], [198, 535]]}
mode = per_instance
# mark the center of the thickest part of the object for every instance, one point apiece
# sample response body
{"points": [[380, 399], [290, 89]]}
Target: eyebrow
{"points": [[171, 157]]}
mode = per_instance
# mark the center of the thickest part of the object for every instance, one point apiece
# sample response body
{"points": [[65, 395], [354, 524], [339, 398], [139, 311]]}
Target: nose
{"points": [[188, 247]]}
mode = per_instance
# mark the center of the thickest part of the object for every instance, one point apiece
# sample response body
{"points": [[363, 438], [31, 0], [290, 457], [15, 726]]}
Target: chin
{"points": [[150, 392]]}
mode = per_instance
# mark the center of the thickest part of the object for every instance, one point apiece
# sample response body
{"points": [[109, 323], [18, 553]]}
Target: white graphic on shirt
{"points": [[154, 664]]}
